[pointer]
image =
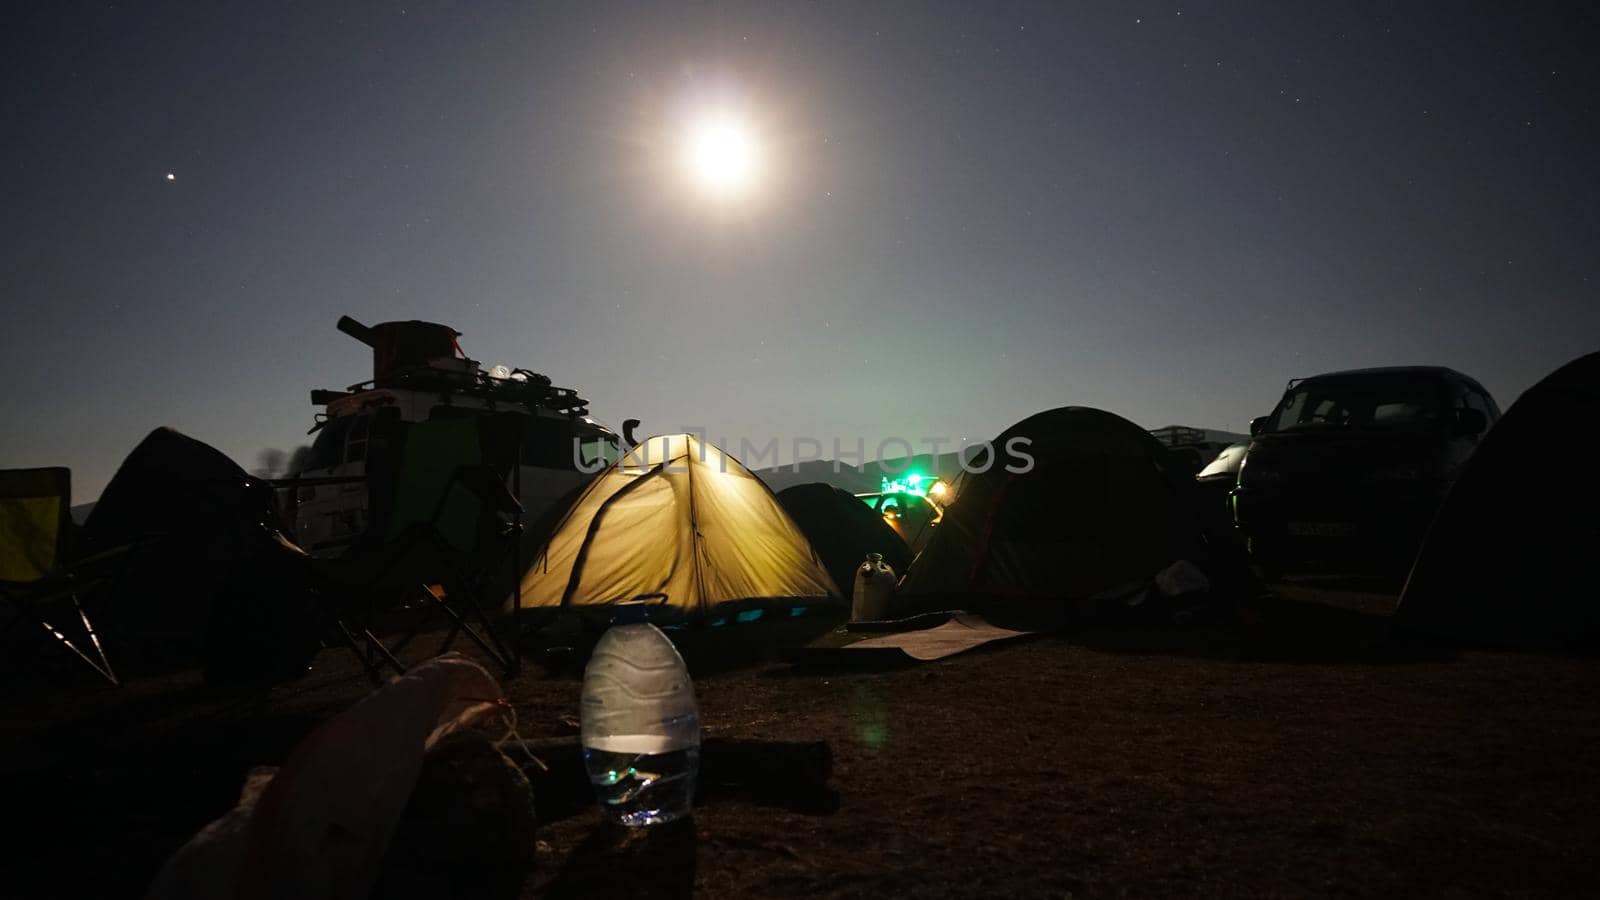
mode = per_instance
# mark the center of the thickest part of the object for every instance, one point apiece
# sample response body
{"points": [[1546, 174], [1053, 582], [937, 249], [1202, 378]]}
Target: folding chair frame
{"points": [[34, 601], [28, 604], [461, 593]]}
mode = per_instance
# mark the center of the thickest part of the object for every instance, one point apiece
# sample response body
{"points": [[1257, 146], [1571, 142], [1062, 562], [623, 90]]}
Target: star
{"points": [[171, 177]]}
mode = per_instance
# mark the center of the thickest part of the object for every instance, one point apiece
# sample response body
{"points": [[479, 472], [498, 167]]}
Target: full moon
{"points": [[722, 155]]}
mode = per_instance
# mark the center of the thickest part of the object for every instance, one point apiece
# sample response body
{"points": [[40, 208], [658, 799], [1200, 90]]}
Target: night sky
{"points": [[965, 212]]}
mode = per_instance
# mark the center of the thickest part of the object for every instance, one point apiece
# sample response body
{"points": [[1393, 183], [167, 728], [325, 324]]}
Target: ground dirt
{"points": [[1308, 757]]}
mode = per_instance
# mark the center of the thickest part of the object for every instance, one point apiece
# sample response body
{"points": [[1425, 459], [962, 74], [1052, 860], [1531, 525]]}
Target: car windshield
{"points": [[1361, 401]]}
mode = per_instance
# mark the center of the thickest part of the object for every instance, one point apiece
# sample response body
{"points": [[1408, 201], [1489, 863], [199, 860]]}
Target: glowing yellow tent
{"points": [[678, 516]]}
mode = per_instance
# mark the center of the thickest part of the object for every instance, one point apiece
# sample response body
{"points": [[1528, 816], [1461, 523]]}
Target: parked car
{"points": [[1350, 467], [1225, 467], [1214, 484]]}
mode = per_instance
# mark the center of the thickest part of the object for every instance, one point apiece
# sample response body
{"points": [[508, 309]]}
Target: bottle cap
{"points": [[630, 612]]}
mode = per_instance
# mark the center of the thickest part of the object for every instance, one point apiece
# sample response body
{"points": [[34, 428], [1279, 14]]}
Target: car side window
{"points": [[327, 451], [1292, 410], [1327, 411], [356, 444]]}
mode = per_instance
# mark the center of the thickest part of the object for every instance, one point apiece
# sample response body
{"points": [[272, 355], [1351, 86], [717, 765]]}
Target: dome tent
{"points": [[843, 530], [1101, 512], [1508, 558], [678, 516], [207, 577]]}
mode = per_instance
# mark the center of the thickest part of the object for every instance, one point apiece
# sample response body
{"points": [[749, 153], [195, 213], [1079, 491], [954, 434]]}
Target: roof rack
{"points": [[533, 390], [424, 356], [1178, 435]]}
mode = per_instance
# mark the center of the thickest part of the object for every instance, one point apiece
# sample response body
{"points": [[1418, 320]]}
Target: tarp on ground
{"points": [[843, 530], [676, 515], [963, 632], [1509, 558]]}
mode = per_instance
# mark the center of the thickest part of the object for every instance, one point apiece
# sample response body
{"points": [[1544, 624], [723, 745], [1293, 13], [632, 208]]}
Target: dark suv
{"points": [[1350, 466]]}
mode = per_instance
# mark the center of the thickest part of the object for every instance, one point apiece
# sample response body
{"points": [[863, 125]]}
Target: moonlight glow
{"points": [[722, 155]]}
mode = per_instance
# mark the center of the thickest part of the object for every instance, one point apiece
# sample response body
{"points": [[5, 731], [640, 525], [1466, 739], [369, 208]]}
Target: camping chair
{"points": [[37, 578], [444, 534]]}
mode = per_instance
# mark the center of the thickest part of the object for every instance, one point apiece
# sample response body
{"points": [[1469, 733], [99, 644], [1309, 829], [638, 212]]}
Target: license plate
{"points": [[1322, 529]]}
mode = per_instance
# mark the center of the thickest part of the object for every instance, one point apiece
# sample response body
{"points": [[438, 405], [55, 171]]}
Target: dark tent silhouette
{"points": [[208, 578], [842, 530], [172, 484], [1102, 512], [1509, 557]]}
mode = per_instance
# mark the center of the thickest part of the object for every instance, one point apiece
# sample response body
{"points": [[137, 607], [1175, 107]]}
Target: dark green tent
{"points": [[207, 577], [1101, 512], [843, 530], [1509, 557]]}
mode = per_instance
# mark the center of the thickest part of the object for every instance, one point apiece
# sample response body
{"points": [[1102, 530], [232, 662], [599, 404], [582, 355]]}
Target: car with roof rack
{"points": [[419, 374]]}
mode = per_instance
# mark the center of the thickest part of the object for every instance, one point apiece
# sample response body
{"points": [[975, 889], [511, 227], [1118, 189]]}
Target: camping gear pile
{"points": [[408, 787]]}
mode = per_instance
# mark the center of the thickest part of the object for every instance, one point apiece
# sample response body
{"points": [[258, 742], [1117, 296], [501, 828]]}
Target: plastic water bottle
{"points": [[641, 727], [873, 590]]}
